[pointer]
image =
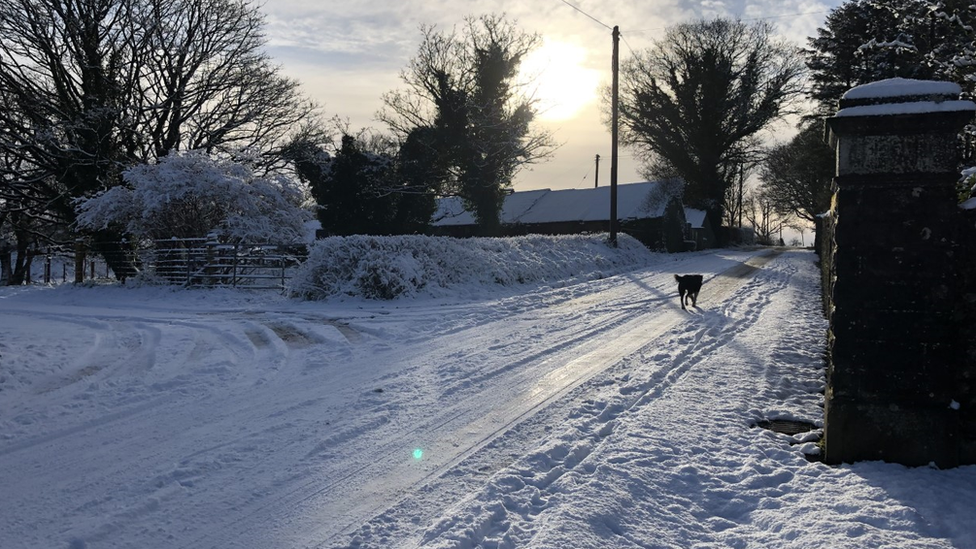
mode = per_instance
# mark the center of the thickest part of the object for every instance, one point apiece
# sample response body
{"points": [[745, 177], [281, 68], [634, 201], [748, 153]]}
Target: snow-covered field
{"points": [[592, 412]]}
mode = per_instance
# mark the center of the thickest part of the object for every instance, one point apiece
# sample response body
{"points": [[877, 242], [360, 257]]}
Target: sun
{"points": [[554, 74]]}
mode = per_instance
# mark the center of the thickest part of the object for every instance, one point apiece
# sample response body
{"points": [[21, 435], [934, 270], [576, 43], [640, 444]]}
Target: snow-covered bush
{"points": [[190, 194], [399, 266], [388, 277]]}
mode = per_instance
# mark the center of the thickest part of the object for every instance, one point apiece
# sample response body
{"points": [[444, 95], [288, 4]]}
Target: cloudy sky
{"points": [[348, 54]]}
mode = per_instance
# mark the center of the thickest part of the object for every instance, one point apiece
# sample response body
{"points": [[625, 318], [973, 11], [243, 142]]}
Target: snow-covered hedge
{"points": [[392, 267]]}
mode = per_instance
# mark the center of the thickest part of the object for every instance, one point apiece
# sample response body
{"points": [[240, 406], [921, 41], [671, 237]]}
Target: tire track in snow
{"points": [[147, 487], [457, 430], [521, 496], [125, 352], [642, 337], [448, 424], [300, 498], [618, 310], [136, 341], [97, 423]]}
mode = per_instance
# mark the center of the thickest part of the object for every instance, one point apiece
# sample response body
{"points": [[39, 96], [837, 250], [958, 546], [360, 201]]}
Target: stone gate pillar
{"points": [[892, 355]]}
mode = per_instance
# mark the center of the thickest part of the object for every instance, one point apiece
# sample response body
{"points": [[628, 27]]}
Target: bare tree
{"points": [[56, 64], [698, 98], [762, 215], [206, 83], [735, 194], [91, 87], [796, 177], [25, 221]]}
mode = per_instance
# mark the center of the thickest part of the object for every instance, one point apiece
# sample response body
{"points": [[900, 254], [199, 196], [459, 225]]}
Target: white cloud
{"points": [[348, 54]]}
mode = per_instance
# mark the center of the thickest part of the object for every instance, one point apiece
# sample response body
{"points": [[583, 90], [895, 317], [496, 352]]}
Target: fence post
{"points": [[188, 253], [892, 392], [211, 269], [79, 261], [47, 269]]}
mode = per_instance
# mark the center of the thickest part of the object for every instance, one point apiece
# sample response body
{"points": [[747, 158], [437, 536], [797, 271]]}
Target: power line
{"points": [[586, 14], [582, 180], [782, 15], [561, 176], [622, 37]]}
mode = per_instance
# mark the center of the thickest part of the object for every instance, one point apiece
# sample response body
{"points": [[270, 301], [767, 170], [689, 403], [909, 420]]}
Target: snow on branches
{"points": [[190, 194]]}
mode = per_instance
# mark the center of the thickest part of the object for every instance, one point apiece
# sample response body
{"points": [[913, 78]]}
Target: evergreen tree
{"points": [[420, 173], [460, 87], [361, 189], [864, 41], [348, 190]]}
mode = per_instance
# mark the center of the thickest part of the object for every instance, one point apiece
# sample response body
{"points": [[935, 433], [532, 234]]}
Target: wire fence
{"points": [[48, 265]]}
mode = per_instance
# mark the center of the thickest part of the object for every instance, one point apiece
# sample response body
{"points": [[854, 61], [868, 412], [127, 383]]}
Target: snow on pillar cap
{"points": [[903, 96]]}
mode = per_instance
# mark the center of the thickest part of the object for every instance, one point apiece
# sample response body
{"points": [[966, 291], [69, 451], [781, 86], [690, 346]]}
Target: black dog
{"points": [[689, 286]]}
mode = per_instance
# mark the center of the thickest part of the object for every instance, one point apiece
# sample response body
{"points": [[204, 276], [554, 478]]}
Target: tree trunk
{"points": [[6, 258], [117, 254], [487, 201], [818, 228], [723, 235], [21, 274]]}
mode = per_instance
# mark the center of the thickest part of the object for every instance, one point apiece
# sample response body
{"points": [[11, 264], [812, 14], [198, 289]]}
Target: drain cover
{"points": [[785, 426]]}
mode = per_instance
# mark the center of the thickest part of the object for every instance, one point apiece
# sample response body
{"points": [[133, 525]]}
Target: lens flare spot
{"points": [[418, 454]]}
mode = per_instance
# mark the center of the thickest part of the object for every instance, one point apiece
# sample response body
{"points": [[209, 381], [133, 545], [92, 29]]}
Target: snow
{"points": [[917, 107], [393, 267], [696, 218], [450, 211], [902, 87], [190, 194], [585, 412], [894, 44], [634, 201], [938, 92]]}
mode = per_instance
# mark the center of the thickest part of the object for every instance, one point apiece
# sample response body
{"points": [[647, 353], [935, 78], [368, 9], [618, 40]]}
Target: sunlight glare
{"points": [[556, 76]]}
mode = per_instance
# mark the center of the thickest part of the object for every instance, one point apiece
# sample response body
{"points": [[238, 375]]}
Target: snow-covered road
{"points": [[155, 418]]}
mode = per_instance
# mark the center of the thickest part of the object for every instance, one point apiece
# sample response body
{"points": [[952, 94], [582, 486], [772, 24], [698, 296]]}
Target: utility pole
{"points": [[596, 176], [613, 144]]}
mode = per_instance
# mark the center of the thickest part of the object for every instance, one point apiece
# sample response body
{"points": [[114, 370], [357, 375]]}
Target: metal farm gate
{"points": [[197, 262]]}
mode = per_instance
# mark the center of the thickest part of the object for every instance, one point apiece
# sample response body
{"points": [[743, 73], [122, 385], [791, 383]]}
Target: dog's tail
{"points": [[677, 278]]}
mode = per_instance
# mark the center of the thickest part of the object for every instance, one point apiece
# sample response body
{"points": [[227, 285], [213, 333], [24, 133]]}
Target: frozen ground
{"points": [[595, 413]]}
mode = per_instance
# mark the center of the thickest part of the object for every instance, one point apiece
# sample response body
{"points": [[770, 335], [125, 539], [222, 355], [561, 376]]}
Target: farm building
{"points": [[644, 211], [699, 229]]}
